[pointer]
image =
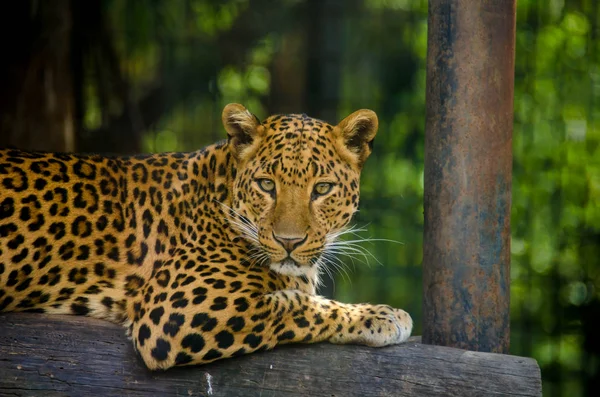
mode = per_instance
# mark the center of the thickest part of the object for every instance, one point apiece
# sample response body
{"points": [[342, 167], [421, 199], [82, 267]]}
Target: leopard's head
{"points": [[296, 184]]}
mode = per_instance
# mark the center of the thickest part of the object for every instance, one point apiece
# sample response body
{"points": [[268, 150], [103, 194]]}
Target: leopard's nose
{"points": [[290, 243]]}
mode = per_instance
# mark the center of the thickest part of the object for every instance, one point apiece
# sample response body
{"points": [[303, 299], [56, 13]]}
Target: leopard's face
{"points": [[296, 185]]}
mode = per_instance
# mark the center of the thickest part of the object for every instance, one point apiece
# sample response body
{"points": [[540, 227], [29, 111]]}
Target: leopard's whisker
{"points": [[338, 265]]}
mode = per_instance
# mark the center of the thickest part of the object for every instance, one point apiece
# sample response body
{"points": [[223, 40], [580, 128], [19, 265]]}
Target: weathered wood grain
{"points": [[78, 356]]}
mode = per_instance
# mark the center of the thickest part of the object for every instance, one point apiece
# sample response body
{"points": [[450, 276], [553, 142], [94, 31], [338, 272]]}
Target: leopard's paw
{"points": [[377, 325]]}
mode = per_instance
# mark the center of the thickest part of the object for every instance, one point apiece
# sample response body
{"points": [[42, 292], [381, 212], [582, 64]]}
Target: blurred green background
{"points": [[126, 76]]}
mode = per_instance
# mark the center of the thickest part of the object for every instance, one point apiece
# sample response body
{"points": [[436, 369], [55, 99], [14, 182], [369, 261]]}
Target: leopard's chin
{"points": [[290, 267]]}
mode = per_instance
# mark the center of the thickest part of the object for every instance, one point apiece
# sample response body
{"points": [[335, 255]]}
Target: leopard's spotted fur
{"points": [[202, 255]]}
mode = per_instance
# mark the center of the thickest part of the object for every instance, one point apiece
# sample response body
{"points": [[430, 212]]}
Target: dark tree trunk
{"points": [[36, 99], [288, 85], [324, 63]]}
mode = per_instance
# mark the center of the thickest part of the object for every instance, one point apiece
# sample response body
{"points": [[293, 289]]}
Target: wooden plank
{"points": [[69, 355]]}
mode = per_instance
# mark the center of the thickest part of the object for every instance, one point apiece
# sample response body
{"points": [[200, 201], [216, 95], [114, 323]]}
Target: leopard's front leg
{"points": [[169, 334], [302, 317]]}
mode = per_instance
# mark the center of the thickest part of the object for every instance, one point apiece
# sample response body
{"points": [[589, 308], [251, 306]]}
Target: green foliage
{"points": [[555, 195]]}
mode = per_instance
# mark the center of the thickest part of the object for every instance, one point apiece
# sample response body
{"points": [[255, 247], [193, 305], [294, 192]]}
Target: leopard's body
{"points": [[201, 255]]}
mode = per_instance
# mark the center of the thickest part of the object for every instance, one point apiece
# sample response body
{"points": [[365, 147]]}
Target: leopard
{"points": [[201, 255]]}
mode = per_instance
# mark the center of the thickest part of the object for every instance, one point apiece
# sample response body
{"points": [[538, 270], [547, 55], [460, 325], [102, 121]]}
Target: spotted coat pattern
{"points": [[201, 255]]}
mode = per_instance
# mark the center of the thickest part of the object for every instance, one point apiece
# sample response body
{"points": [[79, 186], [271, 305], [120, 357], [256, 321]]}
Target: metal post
{"points": [[468, 165]]}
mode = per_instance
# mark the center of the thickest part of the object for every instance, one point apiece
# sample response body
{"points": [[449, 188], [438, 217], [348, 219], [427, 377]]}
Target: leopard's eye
{"points": [[266, 184], [322, 188]]}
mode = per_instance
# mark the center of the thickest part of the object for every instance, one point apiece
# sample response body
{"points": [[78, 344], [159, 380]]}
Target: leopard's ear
{"points": [[243, 128], [355, 136]]}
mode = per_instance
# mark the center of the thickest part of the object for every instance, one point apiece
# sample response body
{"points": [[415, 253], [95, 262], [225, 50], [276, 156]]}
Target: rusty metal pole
{"points": [[468, 171]]}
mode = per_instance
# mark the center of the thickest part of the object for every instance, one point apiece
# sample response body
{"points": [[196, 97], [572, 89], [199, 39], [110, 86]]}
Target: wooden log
{"points": [[69, 355]]}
